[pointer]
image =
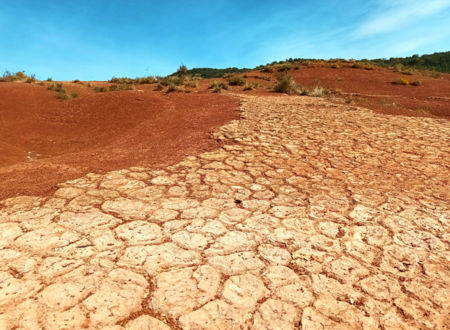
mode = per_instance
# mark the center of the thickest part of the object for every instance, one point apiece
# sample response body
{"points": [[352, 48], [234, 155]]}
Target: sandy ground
{"points": [[311, 215]]}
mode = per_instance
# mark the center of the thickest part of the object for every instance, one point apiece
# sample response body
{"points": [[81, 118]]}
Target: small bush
{"points": [[267, 69], [408, 72], [435, 74], [191, 84], [182, 70], [172, 80], [286, 84], [30, 80], [100, 89], [121, 87], [361, 65], [59, 88], [158, 87], [217, 86], [145, 80], [283, 68], [423, 111], [56, 87], [113, 88], [236, 81], [401, 81], [62, 96], [74, 95], [250, 86], [125, 80], [318, 91], [173, 88], [397, 68], [18, 76], [49, 79], [416, 83], [21, 75]]}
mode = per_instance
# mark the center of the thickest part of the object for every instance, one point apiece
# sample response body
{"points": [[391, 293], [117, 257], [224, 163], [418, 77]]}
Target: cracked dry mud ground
{"points": [[320, 216]]}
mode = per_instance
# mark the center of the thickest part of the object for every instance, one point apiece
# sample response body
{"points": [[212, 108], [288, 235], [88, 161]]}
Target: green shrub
{"points": [[286, 84], [236, 81], [416, 83]]}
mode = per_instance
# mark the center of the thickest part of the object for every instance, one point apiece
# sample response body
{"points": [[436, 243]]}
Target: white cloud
{"points": [[391, 15]]}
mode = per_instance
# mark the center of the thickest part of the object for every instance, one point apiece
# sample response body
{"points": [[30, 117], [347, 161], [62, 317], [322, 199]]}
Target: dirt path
{"points": [[321, 216]]}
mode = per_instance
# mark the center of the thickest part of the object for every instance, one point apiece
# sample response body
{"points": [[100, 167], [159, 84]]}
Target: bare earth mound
{"points": [[311, 215], [45, 141]]}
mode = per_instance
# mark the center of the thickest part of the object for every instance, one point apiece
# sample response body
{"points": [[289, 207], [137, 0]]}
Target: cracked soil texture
{"points": [[317, 216]]}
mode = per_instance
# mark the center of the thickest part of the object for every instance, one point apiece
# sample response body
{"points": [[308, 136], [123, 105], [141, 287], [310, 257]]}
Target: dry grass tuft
{"points": [[218, 86], [286, 84]]}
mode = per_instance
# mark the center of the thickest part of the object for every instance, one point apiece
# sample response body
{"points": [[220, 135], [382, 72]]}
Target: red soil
{"points": [[373, 89], [99, 132]]}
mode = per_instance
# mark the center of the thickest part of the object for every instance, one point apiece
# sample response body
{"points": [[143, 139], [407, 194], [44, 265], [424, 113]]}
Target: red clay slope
{"points": [[99, 132], [374, 89]]}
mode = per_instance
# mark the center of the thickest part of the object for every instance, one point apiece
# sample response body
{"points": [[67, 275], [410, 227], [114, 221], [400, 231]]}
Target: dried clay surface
{"points": [[311, 216]]}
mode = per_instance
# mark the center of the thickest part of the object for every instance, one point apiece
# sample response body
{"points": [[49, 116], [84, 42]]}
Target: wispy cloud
{"points": [[392, 15]]}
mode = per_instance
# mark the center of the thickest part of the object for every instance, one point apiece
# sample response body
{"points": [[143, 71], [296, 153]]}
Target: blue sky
{"points": [[99, 39]]}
